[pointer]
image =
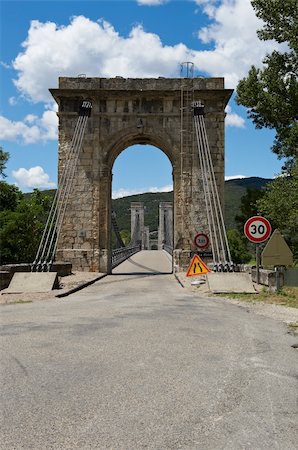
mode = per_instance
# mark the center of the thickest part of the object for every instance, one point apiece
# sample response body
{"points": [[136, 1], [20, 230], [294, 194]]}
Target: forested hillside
{"points": [[234, 190]]}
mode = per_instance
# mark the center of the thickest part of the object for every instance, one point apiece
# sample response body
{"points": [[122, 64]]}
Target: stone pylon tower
{"points": [[165, 226], [137, 220], [125, 112]]}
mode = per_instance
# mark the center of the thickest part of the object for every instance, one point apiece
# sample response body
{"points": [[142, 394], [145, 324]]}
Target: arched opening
{"points": [[142, 180]]}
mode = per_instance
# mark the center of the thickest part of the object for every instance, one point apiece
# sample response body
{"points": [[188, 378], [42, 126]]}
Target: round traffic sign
{"points": [[257, 229], [201, 240]]}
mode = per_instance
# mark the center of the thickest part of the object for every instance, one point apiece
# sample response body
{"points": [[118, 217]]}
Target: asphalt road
{"points": [[146, 261], [136, 362]]}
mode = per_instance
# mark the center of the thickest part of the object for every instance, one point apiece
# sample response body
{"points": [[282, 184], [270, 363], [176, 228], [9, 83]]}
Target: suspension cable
{"points": [[116, 230], [53, 211], [48, 243], [214, 245], [64, 200], [216, 206], [216, 193], [218, 236]]}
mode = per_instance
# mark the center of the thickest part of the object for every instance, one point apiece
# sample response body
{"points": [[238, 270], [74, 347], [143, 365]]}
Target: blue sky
{"points": [[42, 40]]}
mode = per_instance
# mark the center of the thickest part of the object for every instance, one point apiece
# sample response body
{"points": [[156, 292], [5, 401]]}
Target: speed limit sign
{"points": [[257, 229], [201, 241]]}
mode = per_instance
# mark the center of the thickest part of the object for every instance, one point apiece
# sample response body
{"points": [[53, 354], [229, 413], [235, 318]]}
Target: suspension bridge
{"points": [[216, 228], [98, 118]]}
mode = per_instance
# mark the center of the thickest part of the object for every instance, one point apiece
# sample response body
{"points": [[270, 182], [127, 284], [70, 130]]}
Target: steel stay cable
{"points": [[204, 187], [208, 196], [217, 197], [67, 191], [209, 199], [53, 210], [217, 204], [213, 186], [199, 144], [64, 182], [42, 244], [116, 230], [213, 202]]}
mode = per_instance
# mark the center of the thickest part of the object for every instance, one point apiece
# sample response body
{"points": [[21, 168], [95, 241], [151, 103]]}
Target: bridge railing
{"points": [[168, 248], [121, 254]]}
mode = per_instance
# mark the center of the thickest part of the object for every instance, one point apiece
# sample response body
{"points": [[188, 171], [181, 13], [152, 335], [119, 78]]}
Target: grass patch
{"points": [[287, 296]]}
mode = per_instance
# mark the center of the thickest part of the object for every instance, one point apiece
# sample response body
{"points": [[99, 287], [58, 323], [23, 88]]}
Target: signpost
{"points": [[201, 241], [257, 229]]}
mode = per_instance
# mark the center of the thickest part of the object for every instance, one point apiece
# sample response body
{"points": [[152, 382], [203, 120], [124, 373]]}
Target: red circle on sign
{"points": [[201, 240], [257, 229]]}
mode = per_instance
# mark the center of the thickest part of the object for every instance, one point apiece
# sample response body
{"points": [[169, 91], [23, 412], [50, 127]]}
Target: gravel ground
{"points": [[277, 312]]}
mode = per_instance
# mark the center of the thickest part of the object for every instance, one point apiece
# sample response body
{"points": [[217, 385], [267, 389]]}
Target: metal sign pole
{"points": [[258, 263]]}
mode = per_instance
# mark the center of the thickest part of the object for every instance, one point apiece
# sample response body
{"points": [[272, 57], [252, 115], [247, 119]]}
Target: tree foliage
{"points": [[280, 206], [271, 93], [238, 248], [10, 196], [4, 157], [248, 207], [21, 227]]}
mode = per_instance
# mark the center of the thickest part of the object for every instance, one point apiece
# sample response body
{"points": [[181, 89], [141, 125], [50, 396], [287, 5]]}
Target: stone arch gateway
{"points": [[127, 112]]}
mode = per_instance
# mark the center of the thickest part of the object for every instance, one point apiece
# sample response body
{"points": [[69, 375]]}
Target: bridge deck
{"points": [[146, 261]]}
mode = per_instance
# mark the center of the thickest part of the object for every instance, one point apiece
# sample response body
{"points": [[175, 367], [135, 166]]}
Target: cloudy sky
{"points": [[42, 40]]}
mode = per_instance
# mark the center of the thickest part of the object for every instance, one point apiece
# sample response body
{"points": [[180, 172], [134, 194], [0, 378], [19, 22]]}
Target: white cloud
{"points": [[35, 177], [5, 65], [51, 50], [151, 2], [32, 129], [12, 101], [233, 119], [103, 52], [234, 177], [30, 118], [122, 192], [233, 35], [10, 131]]}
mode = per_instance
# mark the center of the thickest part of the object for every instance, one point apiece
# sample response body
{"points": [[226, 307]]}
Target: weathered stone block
{"points": [[118, 106]]}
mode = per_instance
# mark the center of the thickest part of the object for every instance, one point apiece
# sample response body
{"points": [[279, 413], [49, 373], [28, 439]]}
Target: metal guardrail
{"points": [[121, 254], [168, 248]]}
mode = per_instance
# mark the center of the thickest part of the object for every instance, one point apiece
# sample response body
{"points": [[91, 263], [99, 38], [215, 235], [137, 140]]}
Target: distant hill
{"points": [[234, 190]]}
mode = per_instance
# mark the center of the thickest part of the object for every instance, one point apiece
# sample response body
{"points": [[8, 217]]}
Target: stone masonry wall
{"points": [[127, 112]]}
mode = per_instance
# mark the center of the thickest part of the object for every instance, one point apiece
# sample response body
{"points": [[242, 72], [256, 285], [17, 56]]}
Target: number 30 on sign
{"points": [[257, 229]]}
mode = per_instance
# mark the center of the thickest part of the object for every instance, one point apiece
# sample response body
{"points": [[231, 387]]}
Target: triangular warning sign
{"points": [[277, 251], [197, 267]]}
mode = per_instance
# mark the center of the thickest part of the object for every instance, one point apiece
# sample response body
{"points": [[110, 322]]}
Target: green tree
{"points": [[280, 206], [10, 196], [125, 235], [248, 207], [271, 93], [4, 157], [21, 228], [238, 249]]}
